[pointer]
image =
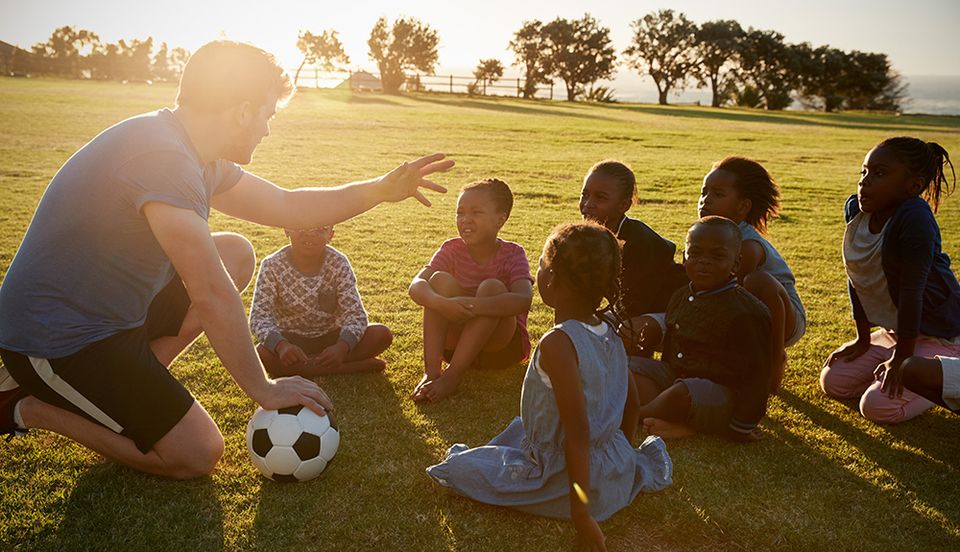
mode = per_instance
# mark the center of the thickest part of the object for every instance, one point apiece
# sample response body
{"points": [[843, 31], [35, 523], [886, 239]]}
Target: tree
{"points": [[178, 60], [824, 78], [665, 47], [62, 50], [580, 52], [408, 45], [873, 84], [488, 71], [323, 49], [719, 45], [529, 48], [771, 66], [161, 64]]}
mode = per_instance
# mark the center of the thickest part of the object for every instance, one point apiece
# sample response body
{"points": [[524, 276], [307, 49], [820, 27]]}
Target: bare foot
{"points": [[418, 392], [667, 430], [442, 387]]}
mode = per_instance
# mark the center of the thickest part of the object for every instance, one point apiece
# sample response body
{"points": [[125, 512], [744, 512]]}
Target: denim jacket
{"points": [[918, 274]]}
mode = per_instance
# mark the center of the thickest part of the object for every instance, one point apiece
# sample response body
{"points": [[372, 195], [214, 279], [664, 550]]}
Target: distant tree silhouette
{"points": [[323, 49], [61, 52], [488, 71], [873, 84], [665, 47], [161, 64], [719, 45], [529, 49], [580, 52], [771, 66], [408, 44], [178, 59]]}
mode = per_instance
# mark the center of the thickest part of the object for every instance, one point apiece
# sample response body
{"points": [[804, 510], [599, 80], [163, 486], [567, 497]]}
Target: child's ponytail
{"points": [[926, 160]]}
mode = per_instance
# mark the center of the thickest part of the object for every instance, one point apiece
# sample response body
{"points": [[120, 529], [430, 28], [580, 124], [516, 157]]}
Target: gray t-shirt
{"points": [[89, 264]]}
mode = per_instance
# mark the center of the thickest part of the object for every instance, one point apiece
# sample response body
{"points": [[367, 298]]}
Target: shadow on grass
{"points": [[928, 478], [374, 495], [114, 508], [850, 121]]}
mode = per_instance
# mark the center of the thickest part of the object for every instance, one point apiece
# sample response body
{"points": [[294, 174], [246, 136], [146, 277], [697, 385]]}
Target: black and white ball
{"points": [[291, 444]]}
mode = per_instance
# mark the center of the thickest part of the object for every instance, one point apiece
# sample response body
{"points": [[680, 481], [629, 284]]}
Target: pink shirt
{"points": [[508, 265]]}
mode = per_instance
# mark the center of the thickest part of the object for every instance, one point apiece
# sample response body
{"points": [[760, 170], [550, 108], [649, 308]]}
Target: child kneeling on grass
{"points": [[307, 313], [715, 373], [475, 293], [566, 455]]}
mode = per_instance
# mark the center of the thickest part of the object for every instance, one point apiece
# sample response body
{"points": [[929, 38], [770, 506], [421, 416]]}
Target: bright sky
{"points": [[920, 36]]}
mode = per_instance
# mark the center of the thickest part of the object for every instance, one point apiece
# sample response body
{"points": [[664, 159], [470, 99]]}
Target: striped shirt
{"points": [[508, 265]]}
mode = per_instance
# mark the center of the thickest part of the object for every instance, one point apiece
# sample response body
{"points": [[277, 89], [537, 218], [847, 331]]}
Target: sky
{"points": [[919, 36]]}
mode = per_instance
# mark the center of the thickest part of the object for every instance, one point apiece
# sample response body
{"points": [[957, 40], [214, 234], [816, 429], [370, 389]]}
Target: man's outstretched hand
{"points": [[408, 179]]}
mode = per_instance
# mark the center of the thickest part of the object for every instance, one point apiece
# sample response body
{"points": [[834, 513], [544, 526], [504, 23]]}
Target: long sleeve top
{"points": [[311, 305], [921, 285]]}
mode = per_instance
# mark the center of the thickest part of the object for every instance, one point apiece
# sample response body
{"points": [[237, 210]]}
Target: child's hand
{"points": [[848, 351], [332, 357], [589, 535], [290, 354], [889, 373], [455, 310]]}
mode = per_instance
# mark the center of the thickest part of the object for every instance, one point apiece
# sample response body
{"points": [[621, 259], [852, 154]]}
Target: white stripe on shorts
{"points": [[46, 373]]}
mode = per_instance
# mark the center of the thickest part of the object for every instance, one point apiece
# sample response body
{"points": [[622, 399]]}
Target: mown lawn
{"points": [[823, 479]]}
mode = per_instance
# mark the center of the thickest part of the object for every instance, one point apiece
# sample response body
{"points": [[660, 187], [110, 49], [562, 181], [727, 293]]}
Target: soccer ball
{"points": [[291, 444]]}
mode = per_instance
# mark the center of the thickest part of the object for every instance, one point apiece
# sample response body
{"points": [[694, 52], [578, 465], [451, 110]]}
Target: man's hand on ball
{"points": [[284, 392]]}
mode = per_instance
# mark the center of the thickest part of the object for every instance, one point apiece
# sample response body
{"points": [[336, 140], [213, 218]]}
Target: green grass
{"points": [[823, 479]]}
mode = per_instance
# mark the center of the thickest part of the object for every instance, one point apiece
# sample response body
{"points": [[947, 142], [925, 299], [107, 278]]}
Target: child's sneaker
{"points": [[9, 400]]}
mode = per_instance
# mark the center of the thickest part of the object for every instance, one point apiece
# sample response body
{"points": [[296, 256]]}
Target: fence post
{"points": [[451, 84], [316, 77], [484, 87], [551, 90], [518, 87]]}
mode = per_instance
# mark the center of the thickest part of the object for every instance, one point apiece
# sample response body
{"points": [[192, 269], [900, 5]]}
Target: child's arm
{"points": [[751, 257], [558, 359], [515, 302], [423, 294], [749, 337], [263, 321], [351, 316], [860, 344]]}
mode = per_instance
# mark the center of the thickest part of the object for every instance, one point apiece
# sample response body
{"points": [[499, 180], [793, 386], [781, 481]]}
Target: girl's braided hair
{"points": [[587, 255], [621, 173], [926, 160]]}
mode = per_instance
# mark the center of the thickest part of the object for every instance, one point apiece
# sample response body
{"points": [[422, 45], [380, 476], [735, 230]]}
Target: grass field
{"points": [[823, 479]]}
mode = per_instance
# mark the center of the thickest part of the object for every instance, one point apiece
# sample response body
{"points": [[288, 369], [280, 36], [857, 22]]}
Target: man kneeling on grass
{"points": [[715, 370], [118, 272]]}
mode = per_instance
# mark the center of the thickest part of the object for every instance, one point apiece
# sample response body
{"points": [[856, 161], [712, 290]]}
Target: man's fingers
{"points": [[422, 198], [442, 166], [430, 185], [427, 159]]}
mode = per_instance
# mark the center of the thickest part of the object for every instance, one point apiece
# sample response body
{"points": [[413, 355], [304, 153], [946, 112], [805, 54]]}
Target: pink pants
{"points": [[846, 380]]}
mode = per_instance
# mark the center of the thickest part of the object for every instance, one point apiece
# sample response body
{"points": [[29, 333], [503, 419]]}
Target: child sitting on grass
{"points": [[743, 191], [715, 372], [900, 281], [475, 293], [649, 275], [566, 456], [307, 314]]}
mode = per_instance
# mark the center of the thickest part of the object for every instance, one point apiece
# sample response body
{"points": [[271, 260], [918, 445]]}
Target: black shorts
{"points": [[313, 345], [508, 356], [116, 382]]}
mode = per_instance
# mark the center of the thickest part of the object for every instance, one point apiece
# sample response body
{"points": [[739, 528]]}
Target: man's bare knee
{"points": [[444, 284], [238, 256], [193, 447], [491, 287]]}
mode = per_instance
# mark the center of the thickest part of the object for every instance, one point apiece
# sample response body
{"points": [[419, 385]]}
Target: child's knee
{"points": [[381, 334], [491, 287], [876, 406], [833, 385], [444, 283]]}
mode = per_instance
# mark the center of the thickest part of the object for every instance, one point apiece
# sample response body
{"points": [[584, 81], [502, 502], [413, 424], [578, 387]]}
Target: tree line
{"points": [[746, 67], [77, 53]]}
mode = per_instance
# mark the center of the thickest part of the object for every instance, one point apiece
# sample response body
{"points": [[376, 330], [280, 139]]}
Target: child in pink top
{"points": [[475, 293]]}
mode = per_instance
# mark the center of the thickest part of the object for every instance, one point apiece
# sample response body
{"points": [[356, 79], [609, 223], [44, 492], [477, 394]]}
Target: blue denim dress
{"points": [[525, 467]]}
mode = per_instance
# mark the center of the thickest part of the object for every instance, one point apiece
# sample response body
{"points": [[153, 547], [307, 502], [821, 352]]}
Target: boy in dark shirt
{"points": [[715, 370]]}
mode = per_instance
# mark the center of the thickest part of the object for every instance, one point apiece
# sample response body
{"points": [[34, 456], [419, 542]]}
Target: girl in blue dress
{"points": [[566, 455]]}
